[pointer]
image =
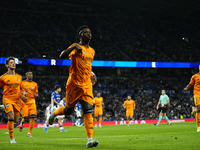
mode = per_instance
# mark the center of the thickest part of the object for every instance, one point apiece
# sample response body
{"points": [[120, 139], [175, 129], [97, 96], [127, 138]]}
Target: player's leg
{"points": [[127, 120], [194, 111], [100, 117], [87, 111], [72, 95], [33, 112], [46, 125], [25, 117], [60, 122], [198, 118], [96, 114], [160, 118], [165, 116], [13, 115]]}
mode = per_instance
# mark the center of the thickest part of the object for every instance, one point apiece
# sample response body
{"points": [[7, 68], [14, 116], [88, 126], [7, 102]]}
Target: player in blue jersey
{"points": [[163, 101], [55, 104], [77, 109]]}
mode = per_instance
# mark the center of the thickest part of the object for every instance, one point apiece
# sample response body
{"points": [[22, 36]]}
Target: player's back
{"points": [[81, 66], [11, 87]]}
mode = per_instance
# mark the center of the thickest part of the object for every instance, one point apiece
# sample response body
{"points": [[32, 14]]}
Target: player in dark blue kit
{"points": [[77, 109]]}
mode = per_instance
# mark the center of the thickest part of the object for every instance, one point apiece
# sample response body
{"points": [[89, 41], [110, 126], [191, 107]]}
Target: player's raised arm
{"points": [[192, 81], [65, 54]]}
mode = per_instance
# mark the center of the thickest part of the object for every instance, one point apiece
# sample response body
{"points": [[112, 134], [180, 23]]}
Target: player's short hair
{"points": [[8, 59], [81, 28], [57, 87], [28, 71]]}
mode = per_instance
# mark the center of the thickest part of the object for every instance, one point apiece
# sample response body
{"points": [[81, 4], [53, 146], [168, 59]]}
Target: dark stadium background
{"points": [[125, 30]]}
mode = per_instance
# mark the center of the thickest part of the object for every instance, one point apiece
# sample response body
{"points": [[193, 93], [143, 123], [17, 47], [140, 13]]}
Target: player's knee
{"points": [[68, 111], [87, 111], [26, 119], [11, 119], [32, 116]]}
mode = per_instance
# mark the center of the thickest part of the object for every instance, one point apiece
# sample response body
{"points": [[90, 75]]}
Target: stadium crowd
{"points": [[40, 29]]}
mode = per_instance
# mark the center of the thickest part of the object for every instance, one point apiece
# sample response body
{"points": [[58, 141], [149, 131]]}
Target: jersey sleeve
{"points": [[53, 96], [74, 51], [192, 81], [134, 103], [36, 88], [124, 103], [102, 99], [160, 98], [167, 97]]}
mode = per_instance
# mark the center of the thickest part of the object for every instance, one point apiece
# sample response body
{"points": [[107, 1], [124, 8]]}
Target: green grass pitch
{"points": [[111, 137]]}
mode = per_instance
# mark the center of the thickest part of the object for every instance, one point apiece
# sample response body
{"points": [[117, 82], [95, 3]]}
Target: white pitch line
{"points": [[114, 136]]}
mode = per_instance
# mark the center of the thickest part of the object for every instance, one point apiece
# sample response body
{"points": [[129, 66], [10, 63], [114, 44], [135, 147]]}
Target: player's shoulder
{"points": [[33, 82], [18, 75], [92, 49], [3, 75], [74, 44]]}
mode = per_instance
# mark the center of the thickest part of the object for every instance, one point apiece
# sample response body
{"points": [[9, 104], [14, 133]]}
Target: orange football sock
{"points": [[22, 121], [100, 120], [127, 121], [88, 124], [11, 129], [31, 124], [95, 120], [59, 111], [198, 119]]}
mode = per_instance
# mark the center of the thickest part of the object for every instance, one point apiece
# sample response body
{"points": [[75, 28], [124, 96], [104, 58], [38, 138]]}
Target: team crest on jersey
{"points": [[92, 54], [25, 85], [84, 52], [8, 80], [17, 79]]}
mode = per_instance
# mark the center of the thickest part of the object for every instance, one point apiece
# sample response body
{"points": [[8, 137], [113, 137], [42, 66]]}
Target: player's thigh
{"points": [[87, 107], [196, 100], [127, 113], [96, 112], [32, 110], [25, 111], [17, 108], [8, 108], [131, 114], [72, 95], [101, 112]]}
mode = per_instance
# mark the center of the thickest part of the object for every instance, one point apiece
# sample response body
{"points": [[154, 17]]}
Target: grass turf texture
{"points": [[110, 137]]}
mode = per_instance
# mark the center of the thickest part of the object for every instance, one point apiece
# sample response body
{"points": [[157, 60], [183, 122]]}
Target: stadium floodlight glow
{"points": [[124, 64]]}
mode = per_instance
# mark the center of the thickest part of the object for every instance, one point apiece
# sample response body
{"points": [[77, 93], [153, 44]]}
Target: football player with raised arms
{"points": [[79, 85]]}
